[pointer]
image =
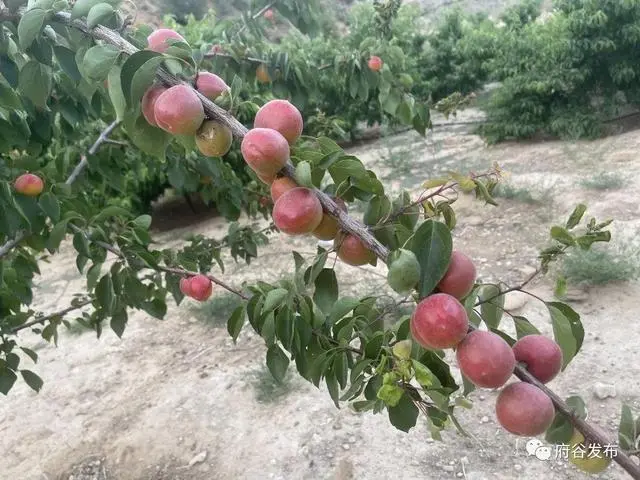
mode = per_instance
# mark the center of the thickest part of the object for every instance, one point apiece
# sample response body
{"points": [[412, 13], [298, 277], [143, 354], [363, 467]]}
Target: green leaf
{"points": [[492, 311], [7, 379], [573, 318], [560, 431], [285, 327], [56, 236], [404, 415], [432, 245], [143, 79], [119, 322], [8, 97], [93, 274], [30, 26], [334, 389], [561, 235], [99, 60], [326, 290], [30, 353], [157, 308], [9, 70], [131, 66], [390, 395], [36, 82], [81, 244], [143, 221], [50, 206], [424, 376], [235, 322], [348, 167], [341, 308], [67, 60], [82, 8], [118, 99], [524, 327], [99, 13], [274, 299], [627, 432], [31, 379], [563, 334], [146, 137], [105, 294], [576, 216], [111, 211], [577, 406], [277, 362]]}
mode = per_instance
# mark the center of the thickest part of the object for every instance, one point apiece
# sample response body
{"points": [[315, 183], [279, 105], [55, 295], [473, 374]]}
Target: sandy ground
{"points": [[176, 399]]}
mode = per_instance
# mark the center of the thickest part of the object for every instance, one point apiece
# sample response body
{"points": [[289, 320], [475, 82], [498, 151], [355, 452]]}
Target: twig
{"points": [[51, 316], [254, 17]]}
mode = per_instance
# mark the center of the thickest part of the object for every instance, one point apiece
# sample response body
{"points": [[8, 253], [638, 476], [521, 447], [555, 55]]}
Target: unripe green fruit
{"points": [[404, 271], [597, 463], [402, 350], [214, 139], [303, 174], [406, 80]]}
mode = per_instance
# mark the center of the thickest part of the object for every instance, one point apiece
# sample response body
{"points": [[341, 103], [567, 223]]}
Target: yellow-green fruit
{"points": [[214, 139], [402, 350], [404, 271], [593, 461]]}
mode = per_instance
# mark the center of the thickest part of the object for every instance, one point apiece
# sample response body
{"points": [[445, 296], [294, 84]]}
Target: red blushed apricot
{"points": [[282, 116], [29, 185], [541, 354], [460, 277], [352, 251], [439, 321], [149, 103], [157, 41], [297, 211], [214, 139], [201, 288], [265, 150], [375, 63], [211, 85], [267, 179], [485, 359], [329, 227], [523, 409], [179, 111], [185, 286], [280, 186]]}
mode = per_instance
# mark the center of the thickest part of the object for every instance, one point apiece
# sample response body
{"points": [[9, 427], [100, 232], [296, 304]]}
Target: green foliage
{"points": [[600, 266]]}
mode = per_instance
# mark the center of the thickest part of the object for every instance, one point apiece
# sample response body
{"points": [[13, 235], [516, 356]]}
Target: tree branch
{"points": [[52, 316]]}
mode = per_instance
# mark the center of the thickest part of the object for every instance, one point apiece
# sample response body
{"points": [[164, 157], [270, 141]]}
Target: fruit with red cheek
{"points": [[185, 286], [157, 41], [179, 111], [201, 288], [149, 103], [375, 63], [280, 186], [211, 85], [460, 277], [329, 227], [29, 185], [523, 409], [439, 321], [265, 150], [297, 211], [485, 359], [352, 251], [541, 354], [282, 116]]}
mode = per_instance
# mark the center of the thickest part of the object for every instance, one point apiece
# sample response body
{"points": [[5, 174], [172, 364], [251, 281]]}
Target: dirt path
{"points": [[177, 400]]}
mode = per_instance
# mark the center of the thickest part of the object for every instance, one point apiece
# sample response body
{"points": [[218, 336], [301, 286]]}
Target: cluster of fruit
{"points": [[440, 321], [178, 109], [297, 209]]}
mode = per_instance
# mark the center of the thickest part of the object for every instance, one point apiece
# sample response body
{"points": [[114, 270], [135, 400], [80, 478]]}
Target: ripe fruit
{"points": [[262, 74], [158, 40], [29, 185], [460, 276], [216, 48], [265, 151], [280, 186], [149, 103], [594, 459], [485, 359], [352, 251], [201, 288], [328, 228], [541, 354], [211, 85], [185, 286], [267, 179], [404, 271], [439, 321], [269, 14], [523, 409], [282, 116], [297, 211], [214, 139], [179, 111], [375, 63]]}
